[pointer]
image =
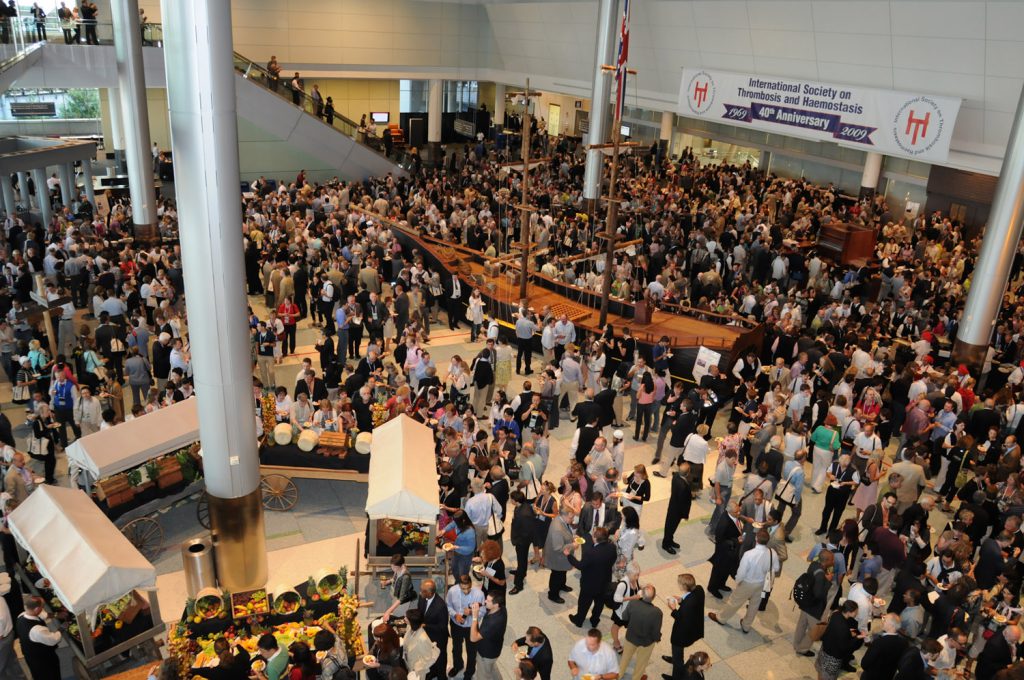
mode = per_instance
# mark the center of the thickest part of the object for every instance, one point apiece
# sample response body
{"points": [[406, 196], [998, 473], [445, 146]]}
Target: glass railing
{"points": [[281, 86], [23, 30]]}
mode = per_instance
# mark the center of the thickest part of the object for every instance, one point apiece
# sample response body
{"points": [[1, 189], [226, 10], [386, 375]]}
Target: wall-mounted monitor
{"points": [[624, 131], [380, 117]]}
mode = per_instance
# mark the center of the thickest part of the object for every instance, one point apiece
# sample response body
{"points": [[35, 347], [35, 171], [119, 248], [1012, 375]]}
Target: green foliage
{"points": [[81, 104], [135, 478]]}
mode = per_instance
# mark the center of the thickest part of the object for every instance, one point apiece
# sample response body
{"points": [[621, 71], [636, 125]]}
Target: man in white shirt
{"points": [[591, 656], [864, 445], [755, 567], [599, 459], [863, 594]]}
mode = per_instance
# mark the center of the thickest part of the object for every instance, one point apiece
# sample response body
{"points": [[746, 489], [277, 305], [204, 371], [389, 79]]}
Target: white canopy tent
{"points": [[403, 476], [84, 556], [134, 442]]}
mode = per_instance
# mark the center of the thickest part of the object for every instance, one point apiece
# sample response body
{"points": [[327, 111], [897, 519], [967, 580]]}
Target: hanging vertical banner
{"points": [[896, 123]]}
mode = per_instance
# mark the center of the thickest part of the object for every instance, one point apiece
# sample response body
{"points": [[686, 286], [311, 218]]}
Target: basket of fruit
{"points": [[286, 600], [329, 583], [250, 603], [209, 604]]}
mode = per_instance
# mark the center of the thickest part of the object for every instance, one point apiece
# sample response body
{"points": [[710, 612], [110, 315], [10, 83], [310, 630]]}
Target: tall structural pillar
{"points": [[10, 204], [607, 30], [435, 109], [499, 105], [23, 195], [204, 140], [872, 174], [116, 128], [668, 120], [998, 248], [42, 195], [67, 180], [131, 82], [90, 192]]}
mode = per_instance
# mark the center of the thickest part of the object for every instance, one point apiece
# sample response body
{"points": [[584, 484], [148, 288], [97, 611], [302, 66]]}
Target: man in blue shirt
{"points": [[790, 491], [460, 599], [341, 324], [525, 328], [508, 422]]}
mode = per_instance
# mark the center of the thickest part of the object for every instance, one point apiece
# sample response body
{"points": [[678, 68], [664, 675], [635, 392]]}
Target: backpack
{"points": [[334, 668], [803, 589]]}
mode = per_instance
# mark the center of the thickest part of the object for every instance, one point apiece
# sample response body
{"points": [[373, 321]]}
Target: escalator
{"points": [[271, 107]]}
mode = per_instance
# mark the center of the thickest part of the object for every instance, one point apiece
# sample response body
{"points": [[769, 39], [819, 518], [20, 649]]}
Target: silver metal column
{"points": [[116, 128], [10, 204], [607, 13], [135, 114], [872, 173], [435, 109], [998, 248], [23, 196], [499, 105], [204, 140], [90, 193], [42, 195], [67, 179]]}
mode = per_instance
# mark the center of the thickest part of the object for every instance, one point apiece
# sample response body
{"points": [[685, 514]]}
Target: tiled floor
{"points": [[322, 530]]}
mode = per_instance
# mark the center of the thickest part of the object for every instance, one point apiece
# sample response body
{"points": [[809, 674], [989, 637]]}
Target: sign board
{"points": [[705, 360], [33, 109], [466, 128], [896, 123]]}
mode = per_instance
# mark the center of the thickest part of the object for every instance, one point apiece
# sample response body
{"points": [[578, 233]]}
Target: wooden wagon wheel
{"points": [[203, 510], [146, 535], [279, 493]]}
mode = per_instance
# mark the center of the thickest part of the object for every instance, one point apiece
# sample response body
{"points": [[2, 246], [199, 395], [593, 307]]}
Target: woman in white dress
{"points": [[595, 367]]}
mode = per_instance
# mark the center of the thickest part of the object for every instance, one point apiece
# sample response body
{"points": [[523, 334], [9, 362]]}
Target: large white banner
{"points": [[894, 123]]}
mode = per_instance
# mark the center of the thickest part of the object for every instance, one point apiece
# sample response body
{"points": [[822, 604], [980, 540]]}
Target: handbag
{"points": [[818, 631], [787, 493], [494, 525], [20, 394]]}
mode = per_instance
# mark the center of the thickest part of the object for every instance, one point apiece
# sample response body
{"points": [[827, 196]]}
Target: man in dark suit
{"points": [[401, 311], [375, 315], [595, 565], [596, 514], [435, 623], [605, 401], [877, 661], [453, 300], [997, 654], [687, 623], [991, 561], [585, 438], [685, 425], [538, 651], [587, 411], [726, 557], [914, 664], [679, 501], [312, 386], [524, 520]]}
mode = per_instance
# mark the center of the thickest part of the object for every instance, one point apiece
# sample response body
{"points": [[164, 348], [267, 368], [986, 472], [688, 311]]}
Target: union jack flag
{"points": [[620, 65]]}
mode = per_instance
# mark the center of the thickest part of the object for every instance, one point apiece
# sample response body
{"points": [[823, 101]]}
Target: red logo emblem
{"points": [[700, 93], [917, 128]]}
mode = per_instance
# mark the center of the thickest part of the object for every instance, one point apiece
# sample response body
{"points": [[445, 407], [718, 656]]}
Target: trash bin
{"points": [[197, 558]]}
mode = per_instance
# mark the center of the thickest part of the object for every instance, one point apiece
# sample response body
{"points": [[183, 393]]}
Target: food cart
{"points": [[402, 499], [81, 564], [140, 466]]}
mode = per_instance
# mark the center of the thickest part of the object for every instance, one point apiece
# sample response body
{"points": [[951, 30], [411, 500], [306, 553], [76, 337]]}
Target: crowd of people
{"points": [[850, 397]]}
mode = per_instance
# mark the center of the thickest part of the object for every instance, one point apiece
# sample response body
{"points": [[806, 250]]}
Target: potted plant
{"points": [[145, 491]]}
